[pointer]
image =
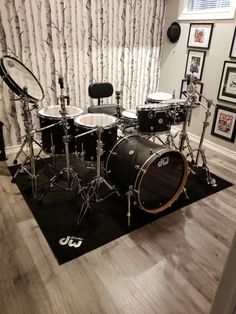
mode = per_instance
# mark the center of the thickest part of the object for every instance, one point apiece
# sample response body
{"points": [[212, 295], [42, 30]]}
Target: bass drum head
{"points": [[156, 173], [161, 180]]}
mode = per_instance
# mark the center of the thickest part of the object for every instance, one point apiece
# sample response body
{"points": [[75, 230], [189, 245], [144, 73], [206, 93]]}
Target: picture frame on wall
{"points": [[227, 88], [199, 35], [232, 53], [224, 123], [195, 63], [184, 87]]}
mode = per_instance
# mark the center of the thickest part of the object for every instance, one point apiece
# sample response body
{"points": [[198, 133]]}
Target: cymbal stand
{"points": [[71, 175], [118, 104], [93, 188], [200, 150], [29, 140]]}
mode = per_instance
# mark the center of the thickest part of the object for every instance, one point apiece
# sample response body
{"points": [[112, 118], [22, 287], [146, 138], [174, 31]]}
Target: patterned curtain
{"points": [[117, 41]]}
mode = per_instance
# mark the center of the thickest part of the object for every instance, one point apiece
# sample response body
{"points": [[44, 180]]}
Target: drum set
{"points": [[127, 151]]}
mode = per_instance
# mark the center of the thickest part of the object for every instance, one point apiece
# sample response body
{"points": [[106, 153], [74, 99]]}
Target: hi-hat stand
{"points": [[93, 189], [29, 140], [72, 179]]}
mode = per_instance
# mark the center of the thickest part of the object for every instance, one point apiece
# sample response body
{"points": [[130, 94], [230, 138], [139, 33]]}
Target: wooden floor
{"points": [[172, 265]]}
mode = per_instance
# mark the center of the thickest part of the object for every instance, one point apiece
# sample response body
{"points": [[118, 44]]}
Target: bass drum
{"points": [[156, 173]]}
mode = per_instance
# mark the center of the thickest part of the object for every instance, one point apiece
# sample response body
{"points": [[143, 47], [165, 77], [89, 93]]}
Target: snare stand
{"points": [[93, 188], [29, 139]]}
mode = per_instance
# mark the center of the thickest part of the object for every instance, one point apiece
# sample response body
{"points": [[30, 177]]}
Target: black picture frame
{"points": [[227, 88], [224, 123], [232, 53], [195, 63], [183, 88], [199, 35]]}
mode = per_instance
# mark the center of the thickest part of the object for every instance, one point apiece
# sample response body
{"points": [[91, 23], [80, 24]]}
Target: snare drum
{"points": [[87, 144], [154, 118], [52, 130]]}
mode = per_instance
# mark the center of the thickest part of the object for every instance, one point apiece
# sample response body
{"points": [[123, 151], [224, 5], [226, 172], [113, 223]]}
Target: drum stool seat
{"points": [[99, 91]]}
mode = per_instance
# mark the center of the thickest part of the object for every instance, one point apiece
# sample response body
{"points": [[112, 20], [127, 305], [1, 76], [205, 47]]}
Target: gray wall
{"points": [[173, 62]]}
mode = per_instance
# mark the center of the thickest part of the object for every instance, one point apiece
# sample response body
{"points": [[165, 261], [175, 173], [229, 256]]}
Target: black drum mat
{"points": [[103, 222]]}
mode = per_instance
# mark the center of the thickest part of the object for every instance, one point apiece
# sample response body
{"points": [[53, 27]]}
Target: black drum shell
{"points": [[54, 135], [153, 120], [88, 143], [141, 164]]}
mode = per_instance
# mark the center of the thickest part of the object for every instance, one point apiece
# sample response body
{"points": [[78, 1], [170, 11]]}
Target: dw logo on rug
{"points": [[71, 241]]}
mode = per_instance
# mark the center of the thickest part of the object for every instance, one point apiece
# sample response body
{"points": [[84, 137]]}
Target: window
{"points": [[207, 9]]}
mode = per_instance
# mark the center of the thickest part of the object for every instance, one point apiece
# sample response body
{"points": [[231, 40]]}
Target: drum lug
{"points": [[139, 168], [150, 151], [114, 153]]}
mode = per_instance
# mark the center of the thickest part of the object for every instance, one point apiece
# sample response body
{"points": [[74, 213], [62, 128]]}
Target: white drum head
{"points": [[53, 112], [20, 79], [174, 102], [155, 107], [95, 119], [159, 96], [129, 114]]}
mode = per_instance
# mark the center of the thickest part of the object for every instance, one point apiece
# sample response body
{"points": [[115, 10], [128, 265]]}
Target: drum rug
{"points": [[104, 221]]}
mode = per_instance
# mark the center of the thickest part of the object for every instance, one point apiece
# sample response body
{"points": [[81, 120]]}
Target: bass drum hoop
{"points": [[13, 85], [142, 172]]}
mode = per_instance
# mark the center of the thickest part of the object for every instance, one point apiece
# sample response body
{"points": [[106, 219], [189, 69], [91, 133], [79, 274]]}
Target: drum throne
{"points": [[99, 91]]}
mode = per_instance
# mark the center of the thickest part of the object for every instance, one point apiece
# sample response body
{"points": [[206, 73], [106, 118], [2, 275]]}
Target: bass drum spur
{"points": [[156, 173]]}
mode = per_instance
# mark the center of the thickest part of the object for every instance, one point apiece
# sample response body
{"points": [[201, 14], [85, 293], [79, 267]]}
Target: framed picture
{"points": [[232, 53], [227, 89], [184, 87], [223, 125], [199, 35], [195, 62]]}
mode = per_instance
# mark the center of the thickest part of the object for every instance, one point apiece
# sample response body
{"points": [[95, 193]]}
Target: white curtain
{"points": [[117, 41]]}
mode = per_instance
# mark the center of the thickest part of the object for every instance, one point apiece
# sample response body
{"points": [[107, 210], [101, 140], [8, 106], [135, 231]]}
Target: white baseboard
{"points": [[215, 147]]}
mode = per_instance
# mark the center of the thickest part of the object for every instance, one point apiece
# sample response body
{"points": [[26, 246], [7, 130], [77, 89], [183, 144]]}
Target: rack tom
{"points": [[154, 118]]}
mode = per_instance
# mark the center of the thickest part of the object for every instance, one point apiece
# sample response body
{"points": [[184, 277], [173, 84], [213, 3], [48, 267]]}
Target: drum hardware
{"points": [[29, 140], [129, 195], [200, 150], [92, 189], [118, 104], [72, 178], [25, 85]]}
